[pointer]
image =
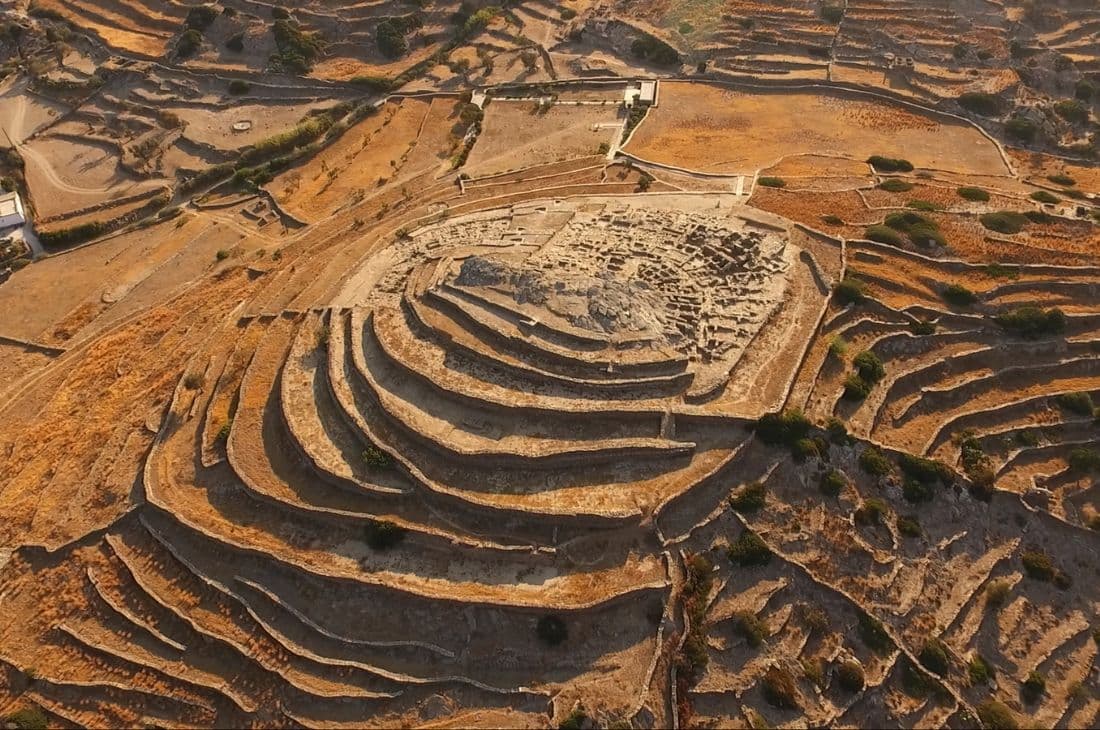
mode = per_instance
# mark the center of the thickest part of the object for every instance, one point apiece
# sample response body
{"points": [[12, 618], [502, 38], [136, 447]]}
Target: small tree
{"points": [[749, 550], [849, 675], [749, 499], [779, 689], [934, 657], [1034, 687]]}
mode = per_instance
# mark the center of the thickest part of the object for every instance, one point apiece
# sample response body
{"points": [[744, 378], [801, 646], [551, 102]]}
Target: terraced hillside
{"points": [[495, 380]]}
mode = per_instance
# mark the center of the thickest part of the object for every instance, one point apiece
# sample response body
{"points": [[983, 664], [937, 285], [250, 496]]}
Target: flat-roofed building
{"points": [[11, 210]]}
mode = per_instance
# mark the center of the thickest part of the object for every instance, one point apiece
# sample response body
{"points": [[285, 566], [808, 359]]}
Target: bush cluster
{"points": [[934, 657], [873, 634], [849, 290], [383, 534], [772, 182], [997, 716], [751, 628], [749, 550], [390, 34], [871, 512], [976, 195], [958, 295], [833, 483], [749, 499], [1033, 687], [1039, 566], [920, 230], [1033, 322], [874, 462], [779, 689], [1079, 403], [979, 670], [849, 675], [297, 49], [986, 105], [783, 428], [889, 164], [895, 185]]}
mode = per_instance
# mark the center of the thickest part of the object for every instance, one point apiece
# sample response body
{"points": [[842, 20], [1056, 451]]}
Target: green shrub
{"points": [[882, 234], [29, 718], [832, 13], [1084, 460], [1022, 129], [916, 492], [909, 526], [806, 448], [199, 17], [922, 327], [189, 42], [1062, 179], [837, 346], [772, 182], [996, 592], [297, 49], [383, 534], [779, 688], [749, 499], [958, 295], [923, 205], [1034, 687], [874, 462], [986, 105], [869, 366], [895, 185], [1072, 110], [933, 655], [390, 34], [926, 471], [1038, 565], [833, 483], [238, 87], [849, 291], [751, 628], [1044, 196], [997, 716], [873, 634], [552, 629], [871, 511], [1004, 221], [235, 42], [1085, 90], [837, 431], [576, 719], [1079, 403], [889, 164], [976, 195], [749, 550], [375, 458], [568, 13], [856, 388], [979, 670], [849, 675], [1032, 322], [920, 230], [783, 428], [832, 220]]}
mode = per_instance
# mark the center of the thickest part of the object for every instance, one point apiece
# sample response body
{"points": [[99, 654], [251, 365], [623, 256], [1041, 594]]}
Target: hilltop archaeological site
{"points": [[550, 363]]}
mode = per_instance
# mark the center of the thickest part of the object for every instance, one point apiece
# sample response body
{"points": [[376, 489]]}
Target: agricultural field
{"points": [[561, 363]]}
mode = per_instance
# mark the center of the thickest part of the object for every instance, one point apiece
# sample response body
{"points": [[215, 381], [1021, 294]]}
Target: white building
{"points": [[11, 210]]}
